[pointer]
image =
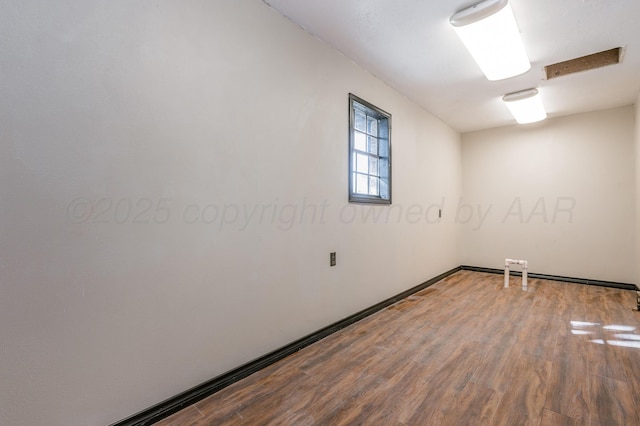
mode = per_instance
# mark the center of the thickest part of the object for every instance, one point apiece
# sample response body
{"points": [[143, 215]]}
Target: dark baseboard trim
{"points": [[172, 405], [586, 281]]}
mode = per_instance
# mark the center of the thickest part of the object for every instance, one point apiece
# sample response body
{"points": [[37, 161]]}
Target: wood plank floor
{"points": [[464, 351]]}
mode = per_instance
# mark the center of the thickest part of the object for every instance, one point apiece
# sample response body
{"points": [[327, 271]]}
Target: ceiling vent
{"points": [[584, 63]]}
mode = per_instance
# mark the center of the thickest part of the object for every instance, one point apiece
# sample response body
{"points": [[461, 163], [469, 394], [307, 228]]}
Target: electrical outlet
{"points": [[332, 258]]}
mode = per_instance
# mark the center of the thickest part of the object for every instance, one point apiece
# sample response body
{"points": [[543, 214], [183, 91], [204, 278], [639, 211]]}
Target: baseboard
{"points": [[586, 281], [172, 405], [191, 396]]}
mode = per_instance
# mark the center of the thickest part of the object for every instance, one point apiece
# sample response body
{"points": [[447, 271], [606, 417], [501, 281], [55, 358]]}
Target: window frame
{"points": [[378, 114]]}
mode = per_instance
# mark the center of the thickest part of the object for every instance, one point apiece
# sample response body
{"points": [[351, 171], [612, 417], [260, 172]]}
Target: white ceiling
{"points": [[410, 45]]}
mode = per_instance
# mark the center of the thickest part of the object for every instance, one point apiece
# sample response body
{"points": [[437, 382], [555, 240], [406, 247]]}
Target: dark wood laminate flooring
{"points": [[464, 351]]}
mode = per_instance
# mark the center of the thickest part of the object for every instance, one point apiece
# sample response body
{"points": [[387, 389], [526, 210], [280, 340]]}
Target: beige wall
{"points": [[637, 192], [174, 176], [559, 194]]}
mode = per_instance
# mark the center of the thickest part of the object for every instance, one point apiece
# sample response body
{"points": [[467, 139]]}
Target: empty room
{"points": [[337, 212]]}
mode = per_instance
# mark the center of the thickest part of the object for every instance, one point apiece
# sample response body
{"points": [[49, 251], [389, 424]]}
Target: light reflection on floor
{"points": [[621, 335]]}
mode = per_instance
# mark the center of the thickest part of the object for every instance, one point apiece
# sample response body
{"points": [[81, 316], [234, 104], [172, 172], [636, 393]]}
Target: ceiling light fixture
{"points": [[526, 106], [490, 33]]}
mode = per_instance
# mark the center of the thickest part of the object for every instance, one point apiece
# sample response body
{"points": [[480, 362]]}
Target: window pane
{"points": [[370, 156], [372, 126], [362, 184], [360, 121], [383, 146], [360, 141], [384, 189], [383, 166], [362, 163], [373, 145], [373, 166], [373, 185], [383, 128]]}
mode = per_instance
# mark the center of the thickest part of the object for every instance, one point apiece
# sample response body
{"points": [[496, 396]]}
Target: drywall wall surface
{"points": [[559, 194], [637, 190], [174, 177]]}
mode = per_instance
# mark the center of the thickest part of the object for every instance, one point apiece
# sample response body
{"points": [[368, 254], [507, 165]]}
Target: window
{"points": [[369, 153]]}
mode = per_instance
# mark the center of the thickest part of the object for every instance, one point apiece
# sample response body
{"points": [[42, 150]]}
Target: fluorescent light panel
{"points": [[490, 33], [525, 106]]}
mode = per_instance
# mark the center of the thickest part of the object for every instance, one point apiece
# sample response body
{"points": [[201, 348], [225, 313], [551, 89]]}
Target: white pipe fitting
{"points": [[523, 263]]}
